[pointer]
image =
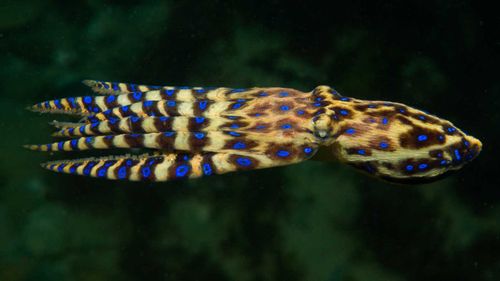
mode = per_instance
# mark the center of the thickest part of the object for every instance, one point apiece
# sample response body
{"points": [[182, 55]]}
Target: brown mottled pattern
{"points": [[203, 131]]}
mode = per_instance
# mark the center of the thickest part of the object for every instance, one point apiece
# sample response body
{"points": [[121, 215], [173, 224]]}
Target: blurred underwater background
{"points": [[310, 221]]}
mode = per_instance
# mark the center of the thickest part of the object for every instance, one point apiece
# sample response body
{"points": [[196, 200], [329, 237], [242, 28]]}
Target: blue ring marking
{"points": [[169, 92], [164, 118], [422, 138], [125, 108], [82, 129], [344, 99], [146, 172], [239, 145], [234, 126], [457, 155], [199, 135], [318, 99], [317, 104], [421, 117], [263, 94], [283, 153], [74, 144], [115, 87], [71, 131], [441, 137], [260, 127], [284, 94], [181, 171], [199, 119], [60, 145], [300, 112], [361, 152], [87, 99], [372, 106], [308, 150], [350, 131], [134, 119], [232, 117], [171, 103], [72, 169], [451, 129], [439, 155], [344, 112], [423, 166], [71, 102], [137, 96], [107, 113], [89, 140], [129, 162], [237, 105], [466, 143], [102, 172], [96, 109], [148, 103], [46, 104], [169, 134], [284, 107], [61, 167], [241, 100], [122, 172], [443, 162], [113, 120], [105, 85], [109, 137], [94, 125], [200, 91], [257, 114], [110, 98], [185, 157], [207, 169], [383, 145], [49, 147], [58, 104], [243, 161], [234, 134], [385, 120], [238, 90], [88, 168], [286, 126], [132, 86], [409, 167]]}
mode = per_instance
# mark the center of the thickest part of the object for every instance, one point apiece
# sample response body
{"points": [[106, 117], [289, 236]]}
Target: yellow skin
{"points": [[204, 131]]}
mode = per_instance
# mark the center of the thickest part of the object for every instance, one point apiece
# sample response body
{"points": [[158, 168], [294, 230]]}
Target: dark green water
{"points": [[311, 221]]}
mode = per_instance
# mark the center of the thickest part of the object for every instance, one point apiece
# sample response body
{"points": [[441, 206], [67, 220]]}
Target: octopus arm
{"points": [[170, 166], [113, 88], [174, 98]]}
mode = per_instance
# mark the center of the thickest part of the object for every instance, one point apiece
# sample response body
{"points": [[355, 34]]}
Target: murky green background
{"points": [[311, 221]]}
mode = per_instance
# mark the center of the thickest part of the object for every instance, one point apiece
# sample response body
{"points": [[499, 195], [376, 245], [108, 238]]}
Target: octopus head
{"points": [[398, 143]]}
